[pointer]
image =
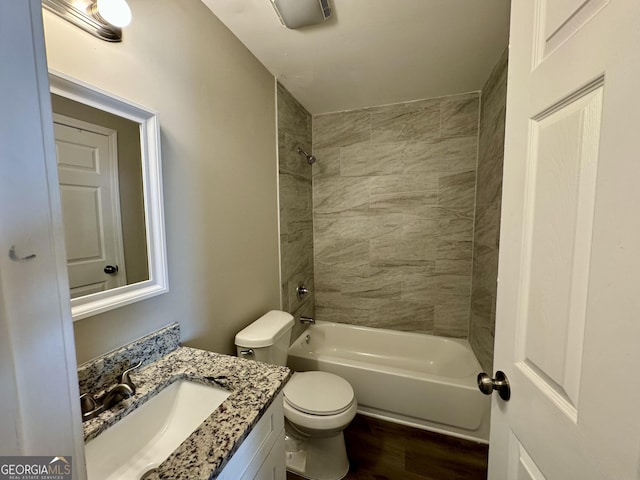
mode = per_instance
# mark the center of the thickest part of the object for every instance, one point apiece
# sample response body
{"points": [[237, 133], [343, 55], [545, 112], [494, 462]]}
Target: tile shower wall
{"points": [[393, 209], [487, 223], [296, 230]]}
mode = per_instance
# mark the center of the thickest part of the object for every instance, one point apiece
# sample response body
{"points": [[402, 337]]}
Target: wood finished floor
{"points": [[381, 450]]}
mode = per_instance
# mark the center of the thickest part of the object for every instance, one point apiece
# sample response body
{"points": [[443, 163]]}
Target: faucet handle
{"points": [[87, 403], [126, 378]]}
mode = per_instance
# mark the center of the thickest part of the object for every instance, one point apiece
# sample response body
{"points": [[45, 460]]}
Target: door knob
{"points": [[487, 385], [111, 269]]}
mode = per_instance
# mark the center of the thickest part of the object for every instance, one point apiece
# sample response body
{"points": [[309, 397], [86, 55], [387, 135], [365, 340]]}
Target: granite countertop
{"points": [[253, 386]]}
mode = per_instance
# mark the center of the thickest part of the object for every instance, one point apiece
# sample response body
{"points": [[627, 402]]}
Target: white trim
{"points": [[158, 282]]}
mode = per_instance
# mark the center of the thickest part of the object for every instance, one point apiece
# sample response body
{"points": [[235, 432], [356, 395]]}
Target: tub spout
{"points": [[307, 320]]}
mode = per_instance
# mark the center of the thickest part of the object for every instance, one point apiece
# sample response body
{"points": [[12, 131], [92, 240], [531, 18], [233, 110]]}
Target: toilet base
{"points": [[314, 458]]}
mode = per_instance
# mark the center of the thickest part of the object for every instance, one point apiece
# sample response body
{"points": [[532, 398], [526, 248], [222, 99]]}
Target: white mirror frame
{"points": [[158, 281]]}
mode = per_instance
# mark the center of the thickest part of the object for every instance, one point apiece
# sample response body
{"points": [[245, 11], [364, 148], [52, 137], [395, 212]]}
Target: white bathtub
{"points": [[419, 380]]}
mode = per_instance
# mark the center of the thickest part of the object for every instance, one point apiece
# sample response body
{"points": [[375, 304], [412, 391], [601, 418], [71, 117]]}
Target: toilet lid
{"points": [[318, 393]]}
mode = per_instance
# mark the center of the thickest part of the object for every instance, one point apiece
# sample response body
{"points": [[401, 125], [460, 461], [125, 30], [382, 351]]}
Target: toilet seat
{"points": [[318, 393]]}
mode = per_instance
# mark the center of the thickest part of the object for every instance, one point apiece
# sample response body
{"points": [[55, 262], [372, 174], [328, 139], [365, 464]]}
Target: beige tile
{"points": [[482, 342], [455, 224], [415, 121], [444, 156], [327, 162], [457, 191], [326, 278], [289, 159], [342, 252], [296, 257], [454, 257], [402, 316], [332, 226], [390, 252], [341, 195], [421, 223], [459, 115], [404, 183], [491, 136], [489, 180], [376, 288], [293, 118], [454, 289], [421, 286], [405, 201], [452, 320], [361, 160], [300, 229], [485, 267], [295, 191], [487, 225], [385, 225], [341, 129], [330, 313]]}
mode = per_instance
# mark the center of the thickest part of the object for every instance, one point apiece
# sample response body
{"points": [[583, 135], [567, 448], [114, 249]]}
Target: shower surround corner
{"points": [[393, 214], [487, 221], [295, 196]]}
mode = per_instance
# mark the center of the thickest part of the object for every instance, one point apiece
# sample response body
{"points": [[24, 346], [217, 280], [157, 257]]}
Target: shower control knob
{"points": [[487, 385], [302, 291]]}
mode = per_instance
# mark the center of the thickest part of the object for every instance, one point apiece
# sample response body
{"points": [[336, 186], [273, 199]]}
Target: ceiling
{"points": [[375, 52]]}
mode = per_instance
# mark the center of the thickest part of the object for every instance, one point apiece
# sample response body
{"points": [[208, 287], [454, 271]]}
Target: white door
{"points": [[88, 175], [568, 313], [40, 412]]}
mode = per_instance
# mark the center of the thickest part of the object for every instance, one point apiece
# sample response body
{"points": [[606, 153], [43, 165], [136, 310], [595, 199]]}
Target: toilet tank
{"points": [[268, 338]]}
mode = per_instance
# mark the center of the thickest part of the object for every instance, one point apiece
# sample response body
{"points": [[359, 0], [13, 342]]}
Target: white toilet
{"points": [[318, 406]]}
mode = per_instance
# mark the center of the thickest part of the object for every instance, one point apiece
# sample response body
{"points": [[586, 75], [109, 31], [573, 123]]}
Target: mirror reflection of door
{"points": [[88, 176], [101, 185]]}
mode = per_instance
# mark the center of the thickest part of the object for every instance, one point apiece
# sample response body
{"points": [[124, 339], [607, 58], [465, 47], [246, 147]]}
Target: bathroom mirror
{"points": [[110, 179]]}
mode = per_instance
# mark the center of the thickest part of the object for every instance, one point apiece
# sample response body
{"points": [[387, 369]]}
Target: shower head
{"points": [[309, 158]]}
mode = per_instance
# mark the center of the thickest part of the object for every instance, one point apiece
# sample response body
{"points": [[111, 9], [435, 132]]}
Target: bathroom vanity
{"points": [[243, 438]]}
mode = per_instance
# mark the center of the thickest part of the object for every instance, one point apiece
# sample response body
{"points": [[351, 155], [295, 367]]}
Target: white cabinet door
{"points": [[568, 326], [261, 456]]}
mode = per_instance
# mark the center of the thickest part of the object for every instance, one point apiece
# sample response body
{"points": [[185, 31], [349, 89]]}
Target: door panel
{"points": [[87, 169], [557, 20], [525, 468], [559, 215], [567, 324]]}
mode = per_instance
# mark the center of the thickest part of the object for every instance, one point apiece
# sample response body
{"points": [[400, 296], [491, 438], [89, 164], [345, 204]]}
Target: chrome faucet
{"points": [[307, 320], [125, 388]]}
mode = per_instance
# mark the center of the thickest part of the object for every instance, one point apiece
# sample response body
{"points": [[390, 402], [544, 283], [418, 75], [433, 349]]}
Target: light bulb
{"points": [[116, 12]]}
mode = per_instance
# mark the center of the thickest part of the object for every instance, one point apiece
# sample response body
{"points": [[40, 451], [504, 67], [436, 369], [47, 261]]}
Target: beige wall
{"points": [[216, 106]]}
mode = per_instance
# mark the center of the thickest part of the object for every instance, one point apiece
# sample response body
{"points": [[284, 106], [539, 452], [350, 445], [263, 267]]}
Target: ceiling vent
{"points": [[301, 13]]}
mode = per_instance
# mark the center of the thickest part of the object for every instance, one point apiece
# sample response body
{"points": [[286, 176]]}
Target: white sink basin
{"points": [[147, 436]]}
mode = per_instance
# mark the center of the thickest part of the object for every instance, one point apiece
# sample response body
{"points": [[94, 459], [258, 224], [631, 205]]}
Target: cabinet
{"points": [[261, 455]]}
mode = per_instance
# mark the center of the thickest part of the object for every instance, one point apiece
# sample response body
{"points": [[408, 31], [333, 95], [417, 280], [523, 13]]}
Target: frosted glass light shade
{"points": [[116, 12], [301, 13]]}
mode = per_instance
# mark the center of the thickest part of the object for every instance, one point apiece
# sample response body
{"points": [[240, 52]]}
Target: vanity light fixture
{"points": [[101, 18], [301, 13]]}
